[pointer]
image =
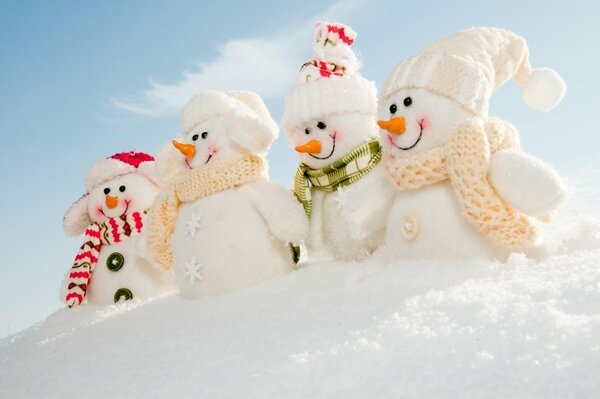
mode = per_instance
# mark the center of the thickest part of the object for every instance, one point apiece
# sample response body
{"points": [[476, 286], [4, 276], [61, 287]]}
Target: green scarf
{"points": [[343, 172]]}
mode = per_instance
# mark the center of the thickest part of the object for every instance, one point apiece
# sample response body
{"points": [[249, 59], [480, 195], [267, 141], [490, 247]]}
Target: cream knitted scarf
{"points": [[464, 159], [194, 185], [111, 231]]}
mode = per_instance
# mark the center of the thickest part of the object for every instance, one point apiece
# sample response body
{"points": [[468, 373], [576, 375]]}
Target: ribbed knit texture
{"points": [[464, 159], [194, 185]]}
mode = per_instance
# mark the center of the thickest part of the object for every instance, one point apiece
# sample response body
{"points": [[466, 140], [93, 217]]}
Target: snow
{"points": [[454, 328]]}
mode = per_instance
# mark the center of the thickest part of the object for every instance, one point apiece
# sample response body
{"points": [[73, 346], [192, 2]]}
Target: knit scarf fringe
{"points": [[194, 185], [464, 159], [112, 231], [343, 172]]}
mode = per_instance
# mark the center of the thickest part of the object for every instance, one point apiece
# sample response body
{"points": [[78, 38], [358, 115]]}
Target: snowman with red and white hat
{"points": [[111, 215], [329, 118]]}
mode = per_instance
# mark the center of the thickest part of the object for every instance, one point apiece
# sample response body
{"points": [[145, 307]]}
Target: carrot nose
{"points": [[312, 147], [395, 125], [111, 201], [188, 150]]}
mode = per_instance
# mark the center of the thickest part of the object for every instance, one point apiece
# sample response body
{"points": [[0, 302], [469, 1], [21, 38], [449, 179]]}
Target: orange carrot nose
{"points": [[312, 147], [395, 125], [111, 201], [188, 150]]}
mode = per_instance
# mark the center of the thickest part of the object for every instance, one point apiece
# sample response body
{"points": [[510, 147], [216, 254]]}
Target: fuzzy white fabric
{"points": [[241, 239], [526, 183], [544, 90], [316, 99], [143, 279], [237, 237]]}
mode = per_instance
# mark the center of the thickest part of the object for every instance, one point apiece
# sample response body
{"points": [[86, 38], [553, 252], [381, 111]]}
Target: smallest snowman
{"points": [[111, 215]]}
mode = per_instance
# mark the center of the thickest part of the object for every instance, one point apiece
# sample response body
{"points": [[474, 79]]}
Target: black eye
{"points": [[122, 188], [106, 190], [321, 125], [204, 135], [407, 101], [194, 137], [307, 131], [393, 108]]}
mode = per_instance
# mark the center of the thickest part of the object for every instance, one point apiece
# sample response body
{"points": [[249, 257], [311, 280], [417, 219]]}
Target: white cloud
{"points": [[267, 65]]}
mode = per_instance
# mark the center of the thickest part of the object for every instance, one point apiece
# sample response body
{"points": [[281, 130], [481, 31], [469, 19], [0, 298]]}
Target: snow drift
{"points": [[518, 329]]}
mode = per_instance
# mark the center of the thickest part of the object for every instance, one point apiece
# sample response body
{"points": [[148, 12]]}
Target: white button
{"points": [[409, 224]]}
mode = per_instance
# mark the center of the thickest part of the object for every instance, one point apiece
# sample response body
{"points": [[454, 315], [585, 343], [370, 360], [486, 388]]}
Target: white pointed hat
{"points": [[468, 66]]}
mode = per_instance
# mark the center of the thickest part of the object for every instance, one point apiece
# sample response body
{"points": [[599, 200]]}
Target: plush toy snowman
{"points": [[467, 188], [329, 118], [112, 214], [219, 223]]}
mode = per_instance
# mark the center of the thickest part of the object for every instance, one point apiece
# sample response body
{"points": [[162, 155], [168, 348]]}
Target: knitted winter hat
{"points": [[329, 83], [77, 219], [470, 65]]}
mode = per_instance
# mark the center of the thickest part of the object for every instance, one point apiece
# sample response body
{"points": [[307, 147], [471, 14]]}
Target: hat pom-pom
{"points": [[544, 90], [332, 43]]}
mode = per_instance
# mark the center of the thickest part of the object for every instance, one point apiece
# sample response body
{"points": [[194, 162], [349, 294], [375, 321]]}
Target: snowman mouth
{"points": [[332, 148], [208, 159], [122, 214], [187, 163], [393, 143]]}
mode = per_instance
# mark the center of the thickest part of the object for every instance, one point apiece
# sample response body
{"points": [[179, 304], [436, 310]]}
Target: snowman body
{"points": [[121, 274], [428, 223], [222, 243], [350, 223]]}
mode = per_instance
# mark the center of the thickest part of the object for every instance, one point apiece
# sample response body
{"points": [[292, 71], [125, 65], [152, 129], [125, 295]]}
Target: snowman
{"points": [[329, 118], [220, 224], [112, 215], [467, 189]]}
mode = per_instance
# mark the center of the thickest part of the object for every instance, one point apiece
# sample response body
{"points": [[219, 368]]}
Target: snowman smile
{"points": [[124, 212], [392, 142], [332, 148], [208, 159]]}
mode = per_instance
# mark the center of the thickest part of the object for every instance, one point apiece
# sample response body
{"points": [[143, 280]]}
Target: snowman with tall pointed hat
{"points": [[467, 187], [219, 223], [329, 118]]}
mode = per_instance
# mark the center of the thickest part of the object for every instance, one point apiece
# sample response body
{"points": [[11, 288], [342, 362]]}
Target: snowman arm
{"points": [[281, 211], [526, 183]]}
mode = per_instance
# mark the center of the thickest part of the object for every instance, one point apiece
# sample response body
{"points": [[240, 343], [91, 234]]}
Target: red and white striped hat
{"points": [[77, 219], [329, 83]]}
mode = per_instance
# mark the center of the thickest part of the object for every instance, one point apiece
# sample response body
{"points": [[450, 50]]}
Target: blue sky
{"points": [[82, 80]]}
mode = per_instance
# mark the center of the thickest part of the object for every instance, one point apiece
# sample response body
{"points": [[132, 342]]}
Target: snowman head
{"points": [[120, 196], [119, 185], [331, 108], [324, 141], [416, 120], [426, 96], [218, 125]]}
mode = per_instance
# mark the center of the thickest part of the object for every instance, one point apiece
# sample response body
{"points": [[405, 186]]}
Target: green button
{"points": [[123, 293], [115, 262]]}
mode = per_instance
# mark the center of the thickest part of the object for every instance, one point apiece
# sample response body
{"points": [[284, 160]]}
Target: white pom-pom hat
{"points": [[330, 83], [470, 65], [77, 218]]}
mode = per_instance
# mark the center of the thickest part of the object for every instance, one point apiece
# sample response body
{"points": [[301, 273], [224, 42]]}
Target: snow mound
{"points": [[520, 329]]}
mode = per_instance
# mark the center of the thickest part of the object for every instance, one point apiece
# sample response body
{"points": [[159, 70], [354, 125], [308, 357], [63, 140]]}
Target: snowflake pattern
{"points": [[192, 270], [193, 224]]}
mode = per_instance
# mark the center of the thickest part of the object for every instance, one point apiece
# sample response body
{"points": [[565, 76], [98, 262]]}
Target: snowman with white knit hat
{"points": [[329, 118], [467, 187], [112, 215], [219, 223]]}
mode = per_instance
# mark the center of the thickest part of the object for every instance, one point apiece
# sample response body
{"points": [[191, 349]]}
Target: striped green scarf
{"points": [[343, 172]]}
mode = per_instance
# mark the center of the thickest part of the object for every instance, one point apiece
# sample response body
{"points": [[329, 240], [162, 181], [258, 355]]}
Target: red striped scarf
{"points": [[112, 231]]}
